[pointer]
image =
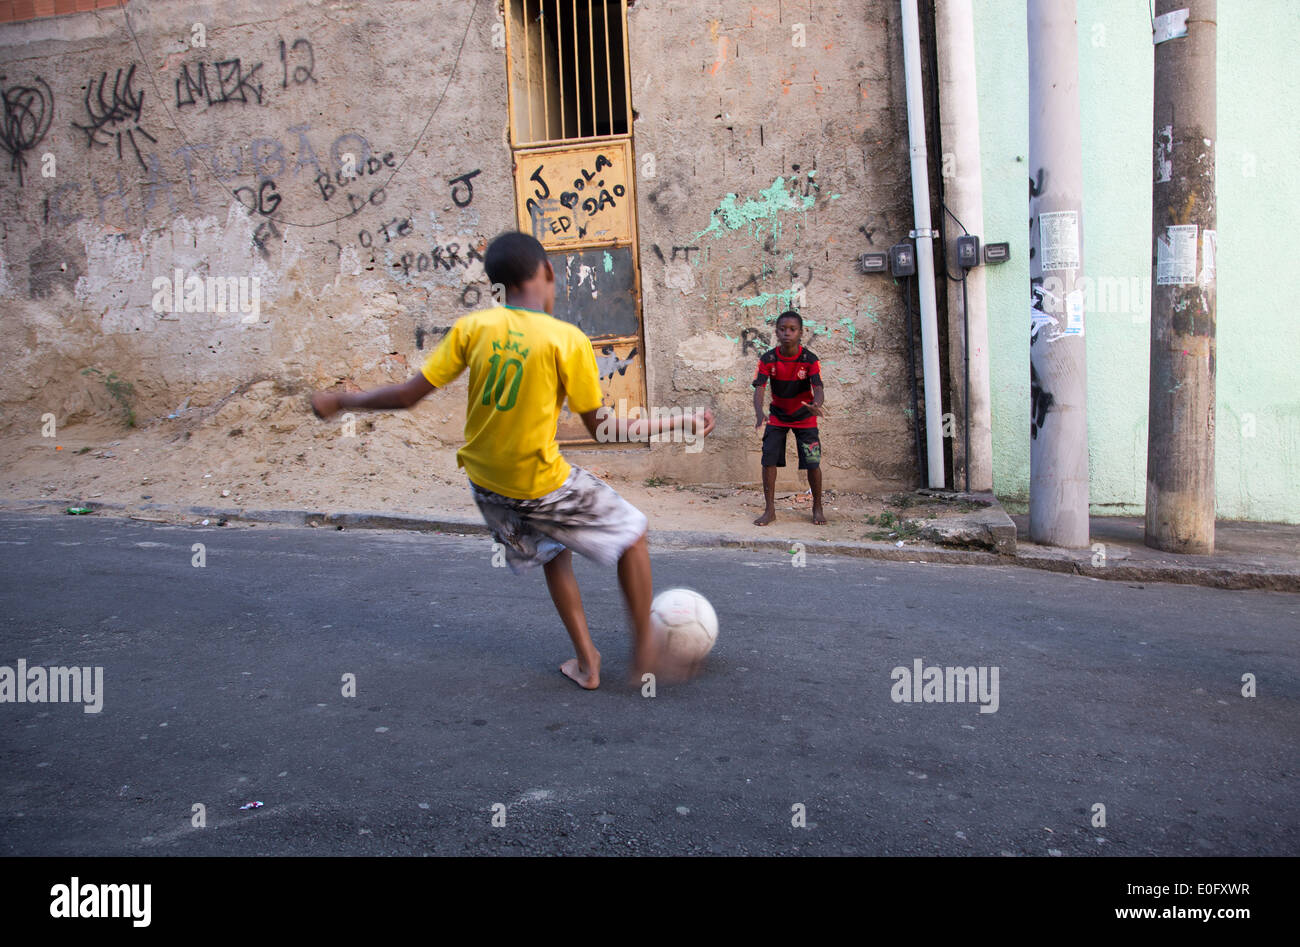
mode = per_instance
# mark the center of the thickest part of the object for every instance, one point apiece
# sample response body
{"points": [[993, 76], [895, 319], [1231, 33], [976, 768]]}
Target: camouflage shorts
{"points": [[806, 439], [585, 514]]}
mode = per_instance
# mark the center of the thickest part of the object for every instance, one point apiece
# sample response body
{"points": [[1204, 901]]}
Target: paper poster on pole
{"points": [[1165, 155], [1058, 240], [1176, 256], [1209, 252], [1074, 313], [1167, 26]]}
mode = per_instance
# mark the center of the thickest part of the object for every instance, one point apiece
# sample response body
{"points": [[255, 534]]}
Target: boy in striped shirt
{"points": [[797, 396]]}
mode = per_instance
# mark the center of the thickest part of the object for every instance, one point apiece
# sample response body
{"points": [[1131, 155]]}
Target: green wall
{"points": [[1258, 398]]}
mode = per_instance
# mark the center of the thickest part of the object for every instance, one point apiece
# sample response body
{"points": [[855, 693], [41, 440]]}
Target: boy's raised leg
{"points": [[769, 497], [815, 484], [563, 586]]}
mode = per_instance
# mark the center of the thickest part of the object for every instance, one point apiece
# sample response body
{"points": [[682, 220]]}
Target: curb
{"points": [[1205, 576], [1208, 576]]}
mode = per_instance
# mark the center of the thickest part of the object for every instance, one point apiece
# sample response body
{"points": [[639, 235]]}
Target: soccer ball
{"points": [[686, 622]]}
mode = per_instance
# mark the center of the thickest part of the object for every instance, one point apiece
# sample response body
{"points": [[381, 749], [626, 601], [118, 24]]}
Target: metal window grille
{"points": [[568, 70]]}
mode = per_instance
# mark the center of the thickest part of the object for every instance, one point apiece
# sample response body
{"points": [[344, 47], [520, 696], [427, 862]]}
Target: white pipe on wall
{"points": [[924, 243]]}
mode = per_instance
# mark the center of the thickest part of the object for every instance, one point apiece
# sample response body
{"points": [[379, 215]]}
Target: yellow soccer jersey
{"points": [[522, 364]]}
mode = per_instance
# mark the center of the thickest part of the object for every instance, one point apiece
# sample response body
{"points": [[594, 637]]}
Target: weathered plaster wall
{"points": [[778, 137], [237, 179], [776, 165]]}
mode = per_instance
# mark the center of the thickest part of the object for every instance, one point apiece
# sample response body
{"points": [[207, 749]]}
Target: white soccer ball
{"points": [[686, 622]]}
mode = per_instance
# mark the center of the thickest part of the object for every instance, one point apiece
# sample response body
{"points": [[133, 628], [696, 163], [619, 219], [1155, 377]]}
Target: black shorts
{"points": [[806, 439]]}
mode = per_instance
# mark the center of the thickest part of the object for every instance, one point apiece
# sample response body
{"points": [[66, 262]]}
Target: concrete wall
{"points": [[776, 164], [1258, 403], [779, 140], [152, 173]]}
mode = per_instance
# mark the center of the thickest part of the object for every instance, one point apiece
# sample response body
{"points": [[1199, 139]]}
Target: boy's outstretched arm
{"points": [[406, 395], [701, 424]]}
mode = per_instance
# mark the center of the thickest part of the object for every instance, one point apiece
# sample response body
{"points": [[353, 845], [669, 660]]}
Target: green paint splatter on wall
{"points": [[872, 316], [850, 328], [785, 300], [609, 263], [759, 214]]}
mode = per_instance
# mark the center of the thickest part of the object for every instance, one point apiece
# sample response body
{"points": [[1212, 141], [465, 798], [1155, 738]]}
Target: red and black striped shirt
{"points": [[792, 382]]}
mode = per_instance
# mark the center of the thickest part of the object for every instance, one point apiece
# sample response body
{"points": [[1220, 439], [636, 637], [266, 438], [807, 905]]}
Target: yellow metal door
{"points": [[579, 202]]}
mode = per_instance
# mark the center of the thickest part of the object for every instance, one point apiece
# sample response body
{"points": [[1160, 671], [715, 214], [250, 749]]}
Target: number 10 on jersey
{"points": [[505, 380]]}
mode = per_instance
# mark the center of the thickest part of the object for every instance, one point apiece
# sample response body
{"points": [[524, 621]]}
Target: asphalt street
{"points": [[224, 684]]}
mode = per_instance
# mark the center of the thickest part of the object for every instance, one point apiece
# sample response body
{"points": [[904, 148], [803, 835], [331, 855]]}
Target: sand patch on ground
{"points": [[260, 448]]}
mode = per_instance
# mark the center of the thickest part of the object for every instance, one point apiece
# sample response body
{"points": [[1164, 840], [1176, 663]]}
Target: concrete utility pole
{"points": [[1058, 422], [959, 129], [1180, 425]]}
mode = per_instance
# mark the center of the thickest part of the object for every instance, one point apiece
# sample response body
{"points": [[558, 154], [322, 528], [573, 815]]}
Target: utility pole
{"points": [[1058, 422], [1180, 420]]}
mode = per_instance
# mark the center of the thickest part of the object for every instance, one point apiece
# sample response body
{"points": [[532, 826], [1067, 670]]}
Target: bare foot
{"points": [[818, 516], [588, 679], [767, 517]]}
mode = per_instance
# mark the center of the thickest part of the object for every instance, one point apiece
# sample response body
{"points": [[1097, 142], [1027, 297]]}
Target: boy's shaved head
{"points": [[791, 314], [513, 258]]}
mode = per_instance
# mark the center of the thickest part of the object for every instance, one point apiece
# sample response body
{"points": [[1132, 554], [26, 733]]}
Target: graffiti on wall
{"points": [[208, 83], [28, 112], [575, 194], [282, 176], [114, 115]]}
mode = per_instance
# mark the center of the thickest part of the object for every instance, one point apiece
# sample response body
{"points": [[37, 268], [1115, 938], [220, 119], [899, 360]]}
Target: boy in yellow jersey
{"points": [[522, 365]]}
